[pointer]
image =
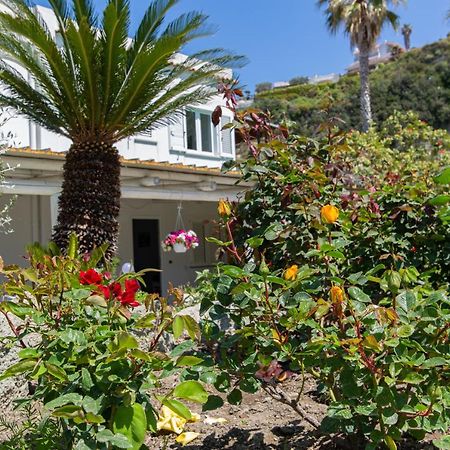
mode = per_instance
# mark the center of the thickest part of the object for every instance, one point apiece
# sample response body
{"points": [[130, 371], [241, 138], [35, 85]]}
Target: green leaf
{"points": [[357, 294], [192, 327], [20, 311], [177, 407], [124, 341], [25, 365], [68, 412], [178, 326], [96, 300], [191, 390], [214, 402], [119, 440], [233, 271], [442, 443], [94, 418], [435, 362], [56, 371], [73, 246], [413, 378], [29, 353], [86, 379], [92, 405], [235, 397], [440, 200], [390, 443], [443, 177], [131, 421], [188, 361], [148, 321], [65, 399], [255, 242]]}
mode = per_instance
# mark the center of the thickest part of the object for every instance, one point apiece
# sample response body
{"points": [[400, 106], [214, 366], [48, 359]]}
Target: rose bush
{"points": [[338, 269], [90, 358]]}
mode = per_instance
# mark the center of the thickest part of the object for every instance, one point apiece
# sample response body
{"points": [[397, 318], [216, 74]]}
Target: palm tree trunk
{"points": [[89, 203], [366, 109]]}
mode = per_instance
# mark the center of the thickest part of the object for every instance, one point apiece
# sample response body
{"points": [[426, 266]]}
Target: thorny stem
{"points": [[278, 394], [233, 249], [14, 329]]}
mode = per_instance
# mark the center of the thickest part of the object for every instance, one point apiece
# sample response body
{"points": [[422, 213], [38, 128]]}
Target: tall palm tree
{"points": [[363, 21], [406, 31], [96, 86]]}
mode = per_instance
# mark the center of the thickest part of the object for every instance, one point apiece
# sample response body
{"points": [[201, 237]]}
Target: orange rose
{"points": [[336, 294], [224, 208], [291, 273], [329, 214]]}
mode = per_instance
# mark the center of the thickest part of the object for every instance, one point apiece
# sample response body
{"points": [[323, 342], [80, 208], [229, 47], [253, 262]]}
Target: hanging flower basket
{"points": [[180, 241]]}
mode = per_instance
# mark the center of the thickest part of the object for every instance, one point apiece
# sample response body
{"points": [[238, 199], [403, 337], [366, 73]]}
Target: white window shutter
{"points": [[177, 133], [227, 141]]}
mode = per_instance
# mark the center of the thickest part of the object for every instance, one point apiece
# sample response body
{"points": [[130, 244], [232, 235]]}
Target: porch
{"points": [[151, 194]]}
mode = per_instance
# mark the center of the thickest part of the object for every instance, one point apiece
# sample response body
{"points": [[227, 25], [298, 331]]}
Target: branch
{"points": [[278, 394]]}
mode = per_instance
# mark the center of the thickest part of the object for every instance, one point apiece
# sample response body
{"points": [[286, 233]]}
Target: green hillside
{"points": [[418, 80]]}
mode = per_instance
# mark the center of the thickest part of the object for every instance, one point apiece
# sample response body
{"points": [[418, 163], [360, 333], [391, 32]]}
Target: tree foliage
{"points": [[418, 80]]}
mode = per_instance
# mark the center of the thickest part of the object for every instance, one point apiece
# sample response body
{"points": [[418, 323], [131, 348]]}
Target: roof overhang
{"points": [[39, 172]]}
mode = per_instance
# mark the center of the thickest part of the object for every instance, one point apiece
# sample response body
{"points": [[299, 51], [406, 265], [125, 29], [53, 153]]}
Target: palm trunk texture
{"points": [[366, 108], [89, 203]]}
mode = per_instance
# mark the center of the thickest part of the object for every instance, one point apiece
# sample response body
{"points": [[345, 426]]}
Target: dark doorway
{"points": [[146, 252]]}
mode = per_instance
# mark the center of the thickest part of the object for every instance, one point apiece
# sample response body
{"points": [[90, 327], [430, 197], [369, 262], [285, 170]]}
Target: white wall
{"points": [[30, 222], [179, 269]]}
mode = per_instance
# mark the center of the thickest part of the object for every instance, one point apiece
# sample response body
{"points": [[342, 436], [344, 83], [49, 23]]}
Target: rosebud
{"points": [[290, 274], [336, 294], [224, 208], [264, 268], [329, 214], [393, 280]]}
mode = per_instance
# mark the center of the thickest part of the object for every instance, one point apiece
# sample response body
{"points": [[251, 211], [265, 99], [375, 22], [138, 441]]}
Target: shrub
{"points": [[338, 269], [382, 359], [81, 353]]}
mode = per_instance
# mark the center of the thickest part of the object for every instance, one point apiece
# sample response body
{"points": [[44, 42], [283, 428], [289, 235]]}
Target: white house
{"points": [[176, 165]]}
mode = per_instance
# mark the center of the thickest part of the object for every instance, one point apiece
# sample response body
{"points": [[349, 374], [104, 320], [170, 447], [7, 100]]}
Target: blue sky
{"points": [[287, 38]]}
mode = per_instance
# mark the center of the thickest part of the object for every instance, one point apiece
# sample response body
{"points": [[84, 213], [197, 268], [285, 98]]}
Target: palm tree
{"points": [[406, 31], [363, 21], [96, 86]]}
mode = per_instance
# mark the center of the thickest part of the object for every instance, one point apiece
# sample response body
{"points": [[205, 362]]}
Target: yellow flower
{"points": [[1, 263], [329, 214], [224, 208], [336, 294], [187, 438], [170, 421], [291, 273]]}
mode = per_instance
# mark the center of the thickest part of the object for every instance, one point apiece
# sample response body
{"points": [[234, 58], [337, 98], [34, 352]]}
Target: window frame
{"points": [[216, 135]]}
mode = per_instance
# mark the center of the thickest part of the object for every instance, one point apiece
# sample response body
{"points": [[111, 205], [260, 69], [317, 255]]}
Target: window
{"points": [[202, 135], [191, 131]]}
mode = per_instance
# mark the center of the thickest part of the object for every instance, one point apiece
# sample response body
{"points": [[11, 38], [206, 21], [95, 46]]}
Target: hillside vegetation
{"points": [[418, 81]]}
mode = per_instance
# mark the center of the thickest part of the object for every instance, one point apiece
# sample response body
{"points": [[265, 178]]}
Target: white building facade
{"points": [[175, 165]]}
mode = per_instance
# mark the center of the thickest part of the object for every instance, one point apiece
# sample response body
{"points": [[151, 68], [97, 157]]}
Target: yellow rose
{"points": [[329, 214], [291, 273], [224, 208], [336, 294], [170, 421], [187, 438]]}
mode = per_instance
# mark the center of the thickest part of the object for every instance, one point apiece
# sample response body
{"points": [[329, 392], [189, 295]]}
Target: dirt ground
{"points": [[261, 423]]}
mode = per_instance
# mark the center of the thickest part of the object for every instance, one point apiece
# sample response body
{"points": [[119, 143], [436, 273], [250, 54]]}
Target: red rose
{"points": [[105, 291], [128, 298], [115, 289], [90, 277], [132, 285]]}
